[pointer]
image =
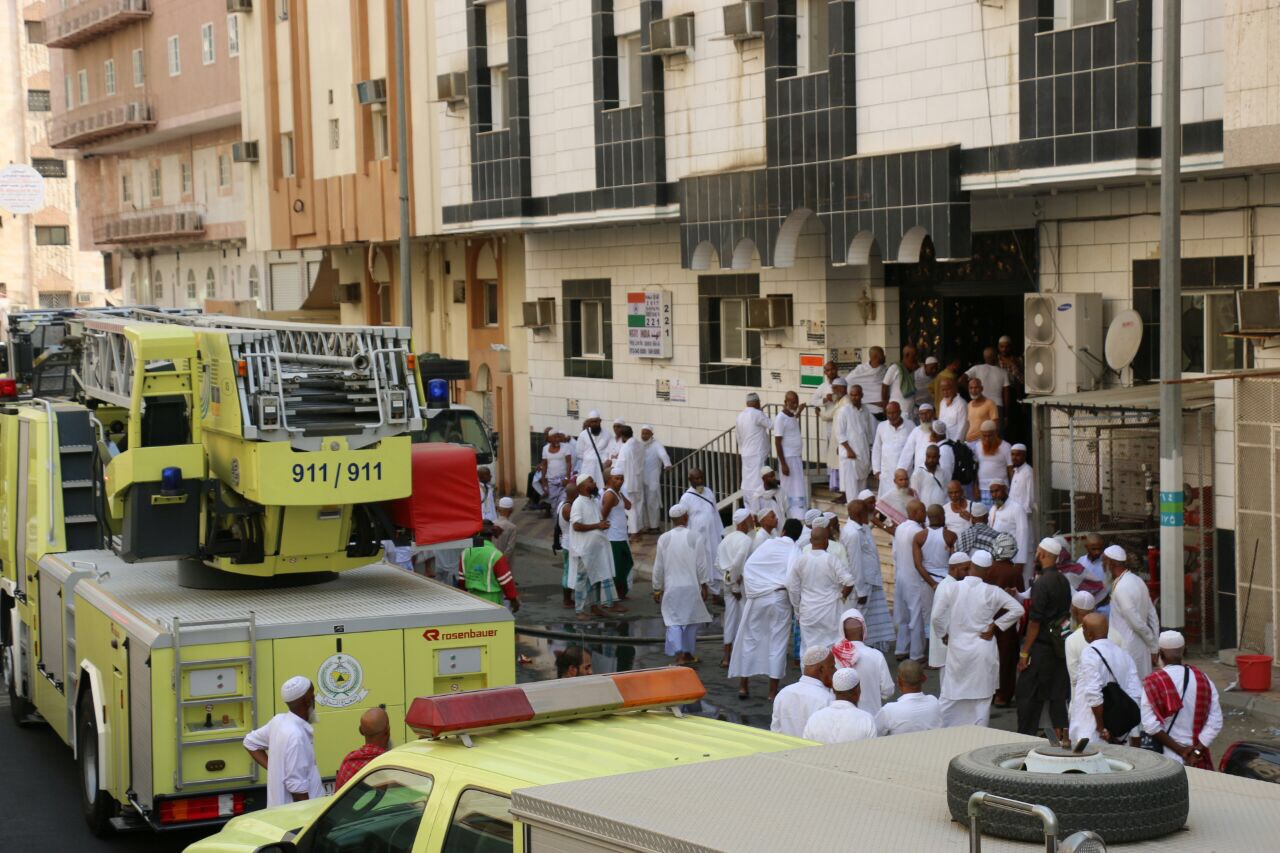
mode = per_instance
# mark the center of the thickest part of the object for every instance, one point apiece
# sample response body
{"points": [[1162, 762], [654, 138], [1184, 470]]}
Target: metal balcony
{"points": [[92, 122], [154, 224], [84, 22]]}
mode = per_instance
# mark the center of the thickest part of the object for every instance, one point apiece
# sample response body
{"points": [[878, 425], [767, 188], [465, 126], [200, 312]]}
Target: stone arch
{"points": [[911, 245], [704, 254], [861, 248], [784, 251], [743, 252]]}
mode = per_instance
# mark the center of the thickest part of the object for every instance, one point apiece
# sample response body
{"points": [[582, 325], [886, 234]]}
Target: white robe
{"points": [[868, 582], [908, 589], [1091, 677], [589, 550], [929, 486], [1011, 518], [1135, 627], [1022, 492], [764, 627], [840, 722], [630, 462], [886, 450], [704, 520], [826, 420], [753, 446], [869, 379], [862, 415], [940, 613], [913, 712], [955, 523], [848, 429], [955, 414], [873, 675], [795, 486], [656, 460], [973, 664], [590, 453], [679, 570], [731, 556], [1184, 726], [815, 587], [796, 703]]}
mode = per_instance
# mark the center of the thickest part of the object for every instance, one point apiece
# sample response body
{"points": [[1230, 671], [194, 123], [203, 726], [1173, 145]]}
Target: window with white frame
{"points": [[154, 183], [175, 57], [53, 235], [157, 285], [728, 351], [109, 77], [811, 36], [191, 286], [126, 189], [233, 35], [68, 91], [381, 135], [588, 335], [82, 81], [207, 52], [733, 330], [629, 76], [139, 69], [1079, 13], [592, 328], [1206, 320], [224, 170], [210, 285], [184, 172], [286, 155], [498, 97], [335, 135], [253, 281]]}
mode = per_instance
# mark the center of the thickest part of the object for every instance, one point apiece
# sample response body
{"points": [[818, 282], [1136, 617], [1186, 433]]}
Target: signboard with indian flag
{"points": [[649, 324], [811, 369]]}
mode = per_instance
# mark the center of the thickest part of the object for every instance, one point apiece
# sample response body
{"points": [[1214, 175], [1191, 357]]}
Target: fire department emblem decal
{"points": [[339, 682]]}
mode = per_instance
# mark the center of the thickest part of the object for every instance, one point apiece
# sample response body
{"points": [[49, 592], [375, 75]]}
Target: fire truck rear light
{"points": [[412, 361], [9, 388], [674, 685], [432, 716], [242, 368], [191, 809]]}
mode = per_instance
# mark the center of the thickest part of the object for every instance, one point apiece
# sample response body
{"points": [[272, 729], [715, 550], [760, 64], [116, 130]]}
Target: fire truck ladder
{"points": [[191, 736]]}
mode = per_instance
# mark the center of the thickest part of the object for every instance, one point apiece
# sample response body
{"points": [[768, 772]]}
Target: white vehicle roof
{"points": [[883, 794]]}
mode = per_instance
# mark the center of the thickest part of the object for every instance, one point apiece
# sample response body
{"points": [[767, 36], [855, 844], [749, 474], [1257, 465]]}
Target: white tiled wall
{"points": [[1204, 26]]}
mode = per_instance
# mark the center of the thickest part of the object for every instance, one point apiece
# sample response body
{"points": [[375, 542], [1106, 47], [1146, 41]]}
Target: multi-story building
{"points": [[147, 94], [41, 259], [889, 171]]}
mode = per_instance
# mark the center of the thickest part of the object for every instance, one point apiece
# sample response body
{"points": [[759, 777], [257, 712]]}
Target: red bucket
{"points": [[1255, 672]]}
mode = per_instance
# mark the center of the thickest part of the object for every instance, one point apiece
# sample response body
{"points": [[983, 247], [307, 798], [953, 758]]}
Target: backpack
{"points": [[966, 470], [1120, 714]]}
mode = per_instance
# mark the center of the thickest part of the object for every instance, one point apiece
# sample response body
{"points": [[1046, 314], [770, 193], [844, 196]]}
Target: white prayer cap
{"points": [[593, 415], [619, 422], [295, 688], [852, 613], [1115, 552], [981, 559], [1005, 339], [1050, 546], [644, 427], [506, 503], [841, 381], [844, 680], [931, 360], [957, 558], [866, 495], [740, 515], [1083, 601], [997, 481], [765, 470], [767, 512], [678, 511], [829, 516], [753, 397], [1172, 640], [988, 426], [939, 428], [978, 509], [814, 655], [924, 406], [1018, 446], [811, 516]]}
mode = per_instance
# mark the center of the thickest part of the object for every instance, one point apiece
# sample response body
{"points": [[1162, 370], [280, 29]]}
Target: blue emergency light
{"points": [[437, 394], [171, 481]]}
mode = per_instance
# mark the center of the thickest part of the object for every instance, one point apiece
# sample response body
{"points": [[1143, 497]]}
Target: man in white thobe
{"points": [[766, 528], [940, 612], [731, 556], [872, 668], [753, 443], [1135, 626], [862, 415], [1173, 710], [789, 448], [1008, 516], [972, 673], [915, 710], [927, 481], [592, 449], [1092, 577], [817, 585], [953, 410], [768, 497], [704, 519], [958, 508], [843, 721], [891, 435], [488, 510], [285, 746], [853, 453], [630, 463], [656, 460], [764, 626], [680, 577], [906, 581], [868, 378], [912, 453], [1022, 491], [590, 554], [796, 703], [827, 398], [1102, 662], [868, 579], [1075, 644]]}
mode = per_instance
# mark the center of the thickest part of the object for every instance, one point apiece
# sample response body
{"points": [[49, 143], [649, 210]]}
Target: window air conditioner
{"points": [[245, 151], [234, 6], [349, 293], [372, 91], [451, 87], [744, 21], [1258, 309], [540, 314], [671, 35], [769, 313], [84, 298]]}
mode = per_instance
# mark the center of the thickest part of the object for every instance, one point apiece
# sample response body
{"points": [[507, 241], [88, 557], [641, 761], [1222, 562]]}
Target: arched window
{"points": [[210, 285], [191, 285], [132, 293], [157, 285], [253, 281]]}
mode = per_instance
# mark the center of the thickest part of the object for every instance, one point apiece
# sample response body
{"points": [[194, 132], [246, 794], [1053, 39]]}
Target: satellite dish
{"points": [[1124, 336]]}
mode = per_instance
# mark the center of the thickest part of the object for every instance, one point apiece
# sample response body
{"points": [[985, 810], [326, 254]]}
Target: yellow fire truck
{"points": [[203, 520]]}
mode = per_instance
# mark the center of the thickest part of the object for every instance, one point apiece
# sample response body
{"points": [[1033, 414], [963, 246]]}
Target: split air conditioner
{"points": [[1063, 334], [744, 21], [245, 151], [671, 35], [451, 87]]}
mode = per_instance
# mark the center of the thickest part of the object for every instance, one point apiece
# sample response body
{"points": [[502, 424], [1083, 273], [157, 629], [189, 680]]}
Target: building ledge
{"points": [[92, 122], [84, 22], [157, 223]]}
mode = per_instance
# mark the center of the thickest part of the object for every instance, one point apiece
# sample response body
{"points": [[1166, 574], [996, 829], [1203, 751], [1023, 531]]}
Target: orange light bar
{"points": [[242, 368], [412, 361], [671, 685]]}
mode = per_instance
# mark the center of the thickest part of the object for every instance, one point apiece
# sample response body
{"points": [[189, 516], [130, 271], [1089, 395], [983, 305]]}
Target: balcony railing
{"points": [[153, 224], [83, 22], [87, 124]]}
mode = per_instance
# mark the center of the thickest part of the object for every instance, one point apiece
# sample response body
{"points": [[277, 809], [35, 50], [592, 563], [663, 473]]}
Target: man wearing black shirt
{"points": [[1042, 665]]}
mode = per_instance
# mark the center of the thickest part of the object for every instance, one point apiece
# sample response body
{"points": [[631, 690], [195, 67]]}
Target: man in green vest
{"points": [[486, 573]]}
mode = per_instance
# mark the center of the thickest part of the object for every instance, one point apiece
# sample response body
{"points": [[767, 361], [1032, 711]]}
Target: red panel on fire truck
{"points": [[445, 503]]}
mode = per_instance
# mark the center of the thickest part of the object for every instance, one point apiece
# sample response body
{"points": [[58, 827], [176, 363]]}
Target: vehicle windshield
{"points": [[457, 426]]}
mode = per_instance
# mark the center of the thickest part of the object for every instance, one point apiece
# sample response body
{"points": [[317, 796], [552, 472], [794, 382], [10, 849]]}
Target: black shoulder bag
{"points": [[1120, 714]]}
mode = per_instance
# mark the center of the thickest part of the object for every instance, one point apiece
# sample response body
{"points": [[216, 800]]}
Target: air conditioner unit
{"points": [[84, 298], [245, 151], [744, 21], [372, 91], [1258, 309], [451, 87], [349, 293], [1063, 336], [234, 6], [769, 313], [671, 35], [540, 314]]}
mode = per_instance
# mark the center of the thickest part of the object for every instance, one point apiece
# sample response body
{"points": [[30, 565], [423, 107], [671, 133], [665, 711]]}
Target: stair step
{"points": [[80, 519], [77, 484], [68, 449]]}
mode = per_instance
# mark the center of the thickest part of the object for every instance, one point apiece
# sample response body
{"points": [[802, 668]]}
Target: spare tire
{"points": [[1147, 799]]}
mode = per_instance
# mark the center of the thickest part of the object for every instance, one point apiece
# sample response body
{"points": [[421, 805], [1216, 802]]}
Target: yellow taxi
{"points": [[449, 792]]}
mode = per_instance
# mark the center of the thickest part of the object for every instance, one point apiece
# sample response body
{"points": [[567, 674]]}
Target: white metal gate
{"points": [[287, 289]]}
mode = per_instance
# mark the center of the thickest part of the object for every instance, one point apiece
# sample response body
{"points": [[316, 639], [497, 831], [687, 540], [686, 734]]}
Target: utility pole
{"points": [[402, 166], [1172, 611]]}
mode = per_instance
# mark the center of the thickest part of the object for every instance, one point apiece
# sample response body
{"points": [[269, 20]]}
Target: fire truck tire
{"points": [[96, 803], [19, 707], [1147, 800]]}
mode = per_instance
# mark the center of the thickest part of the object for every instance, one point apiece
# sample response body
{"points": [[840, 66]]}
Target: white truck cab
{"points": [[450, 422]]}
